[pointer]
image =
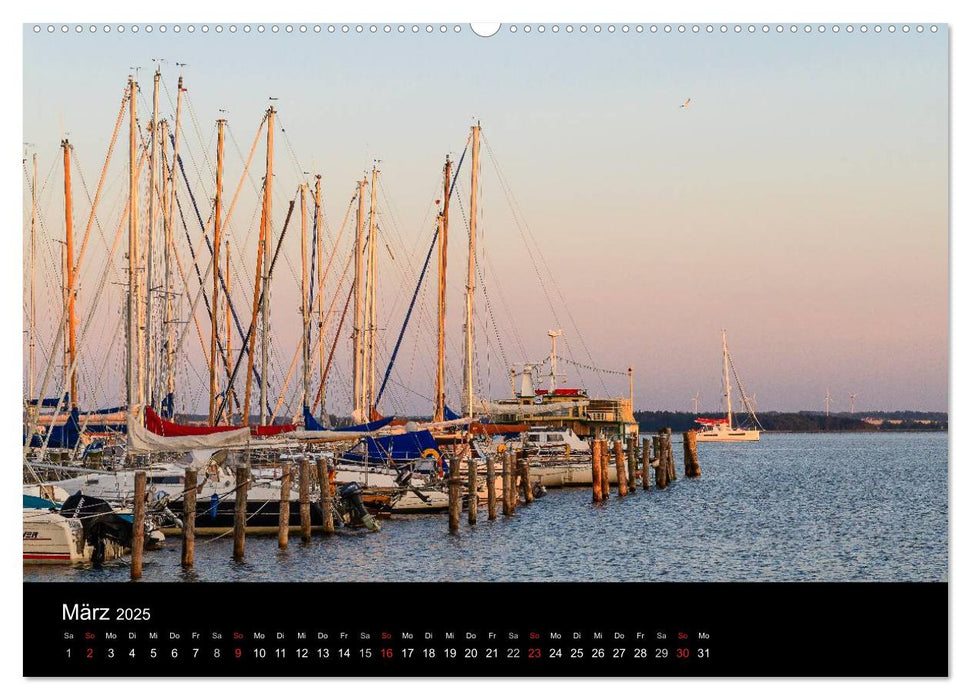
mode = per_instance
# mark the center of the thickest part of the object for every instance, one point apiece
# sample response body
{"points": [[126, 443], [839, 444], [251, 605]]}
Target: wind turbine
{"points": [[697, 396], [852, 403], [827, 401]]}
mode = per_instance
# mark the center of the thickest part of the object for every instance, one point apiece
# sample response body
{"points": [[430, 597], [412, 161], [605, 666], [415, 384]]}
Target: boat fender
{"points": [[213, 505]]}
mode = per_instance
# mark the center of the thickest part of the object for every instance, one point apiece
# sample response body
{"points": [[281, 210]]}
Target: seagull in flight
{"points": [[684, 105]]}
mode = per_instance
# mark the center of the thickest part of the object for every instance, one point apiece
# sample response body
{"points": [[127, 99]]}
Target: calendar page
{"points": [[423, 349]]}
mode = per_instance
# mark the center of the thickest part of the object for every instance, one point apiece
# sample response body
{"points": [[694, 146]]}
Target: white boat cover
{"points": [[492, 408], [142, 440]]}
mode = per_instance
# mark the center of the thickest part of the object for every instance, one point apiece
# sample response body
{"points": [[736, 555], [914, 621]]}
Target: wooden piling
{"points": [[692, 469], [632, 464], [283, 529], [621, 468], [239, 514], [304, 500], [646, 464], [189, 517], [491, 486], [508, 493], [672, 473], [524, 475], [138, 525], [661, 466], [454, 494], [595, 471], [326, 500], [604, 470], [473, 493]]}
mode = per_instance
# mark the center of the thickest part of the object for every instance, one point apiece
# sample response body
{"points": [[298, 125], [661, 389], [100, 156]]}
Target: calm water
{"points": [[821, 507]]}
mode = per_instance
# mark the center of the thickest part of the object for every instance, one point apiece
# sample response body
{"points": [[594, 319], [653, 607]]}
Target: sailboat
{"points": [[723, 429]]}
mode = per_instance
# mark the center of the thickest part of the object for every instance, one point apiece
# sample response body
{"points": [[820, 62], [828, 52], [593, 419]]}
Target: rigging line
{"points": [[195, 206], [327, 319], [32, 424], [741, 389], [250, 330], [293, 154], [514, 204], [421, 279]]}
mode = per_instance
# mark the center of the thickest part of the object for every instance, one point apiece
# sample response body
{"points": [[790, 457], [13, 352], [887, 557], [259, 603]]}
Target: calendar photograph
{"points": [[543, 314]]}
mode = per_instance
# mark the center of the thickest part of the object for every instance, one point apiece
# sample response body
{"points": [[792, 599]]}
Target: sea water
{"points": [[792, 507]]}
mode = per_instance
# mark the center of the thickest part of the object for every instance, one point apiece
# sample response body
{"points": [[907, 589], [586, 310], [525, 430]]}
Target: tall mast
{"points": [[470, 284], [371, 325], [265, 311], [216, 238], [166, 370], [149, 252], [728, 385], [69, 271], [32, 339], [318, 221], [131, 369], [359, 306], [170, 333], [304, 296], [442, 265], [66, 349], [228, 398]]}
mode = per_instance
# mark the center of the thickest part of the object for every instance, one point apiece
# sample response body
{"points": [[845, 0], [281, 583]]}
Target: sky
{"points": [[800, 201]]}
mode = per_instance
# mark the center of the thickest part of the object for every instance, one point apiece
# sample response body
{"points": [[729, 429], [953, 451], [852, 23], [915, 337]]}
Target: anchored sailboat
{"points": [[723, 429]]}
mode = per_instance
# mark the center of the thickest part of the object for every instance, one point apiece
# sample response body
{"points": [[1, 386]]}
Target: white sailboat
{"points": [[723, 429]]}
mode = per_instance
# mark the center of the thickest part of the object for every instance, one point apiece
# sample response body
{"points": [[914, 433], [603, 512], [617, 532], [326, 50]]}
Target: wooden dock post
{"points": [[473, 493], [672, 472], [138, 525], [326, 500], [660, 456], [283, 530], [304, 500], [692, 469], [508, 492], [604, 470], [239, 514], [491, 486], [189, 517], [595, 471], [621, 468], [632, 464], [454, 494], [646, 464], [524, 476]]}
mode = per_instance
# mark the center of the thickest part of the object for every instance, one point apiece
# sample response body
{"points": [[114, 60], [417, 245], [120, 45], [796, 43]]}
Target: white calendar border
{"points": [[842, 11]]}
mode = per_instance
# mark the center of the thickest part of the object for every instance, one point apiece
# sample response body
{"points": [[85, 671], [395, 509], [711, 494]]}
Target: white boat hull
{"points": [[728, 436]]}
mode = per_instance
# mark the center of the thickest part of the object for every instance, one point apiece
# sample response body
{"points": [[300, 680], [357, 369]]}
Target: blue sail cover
{"points": [[396, 448], [311, 423], [450, 414], [65, 436]]}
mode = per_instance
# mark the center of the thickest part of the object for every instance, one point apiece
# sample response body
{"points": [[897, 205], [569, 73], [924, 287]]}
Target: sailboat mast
{"points": [[228, 398], [318, 227], [728, 385], [304, 296], [69, 272], [32, 326], [442, 269], [170, 334], [166, 370], [131, 368], [265, 311], [359, 306], [216, 239], [149, 257], [371, 324], [470, 284]]}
